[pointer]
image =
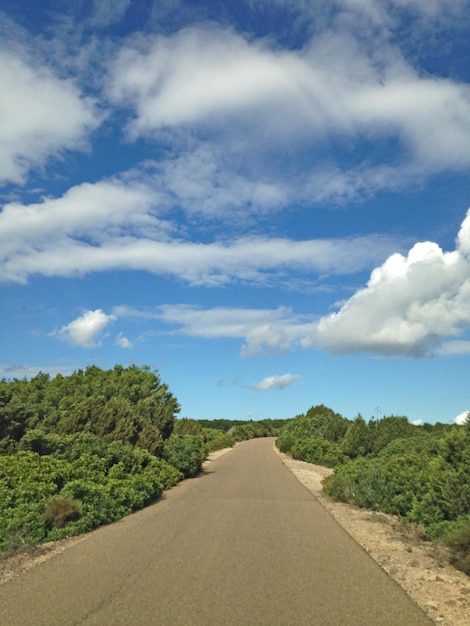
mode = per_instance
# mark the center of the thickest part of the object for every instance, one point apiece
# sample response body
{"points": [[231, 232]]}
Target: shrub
{"points": [[216, 440], [285, 442], [186, 453], [459, 543], [59, 511]]}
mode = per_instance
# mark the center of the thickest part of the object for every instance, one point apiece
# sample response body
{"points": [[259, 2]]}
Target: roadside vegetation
{"points": [[87, 449], [84, 450], [419, 473]]}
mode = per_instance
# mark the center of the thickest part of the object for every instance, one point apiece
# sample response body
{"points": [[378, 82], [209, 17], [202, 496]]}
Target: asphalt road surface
{"points": [[244, 543]]}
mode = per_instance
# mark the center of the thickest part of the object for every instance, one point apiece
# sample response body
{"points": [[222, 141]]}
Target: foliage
{"points": [[315, 437], [421, 474], [213, 438], [252, 430], [459, 543], [41, 495], [226, 425], [186, 453], [216, 440], [358, 438], [123, 404], [86, 449], [317, 450]]}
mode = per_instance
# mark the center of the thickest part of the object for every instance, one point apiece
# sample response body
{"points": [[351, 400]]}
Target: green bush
{"points": [[50, 496], [285, 442], [216, 440], [186, 453], [459, 543], [318, 451]]}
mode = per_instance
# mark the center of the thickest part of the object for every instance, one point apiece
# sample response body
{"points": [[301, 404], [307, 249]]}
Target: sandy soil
{"points": [[420, 568]]}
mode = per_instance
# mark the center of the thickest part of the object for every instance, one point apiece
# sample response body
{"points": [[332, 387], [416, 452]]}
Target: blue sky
{"points": [[265, 200]]}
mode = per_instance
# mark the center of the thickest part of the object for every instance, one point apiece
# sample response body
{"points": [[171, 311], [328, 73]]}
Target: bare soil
{"points": [[419, 567]]}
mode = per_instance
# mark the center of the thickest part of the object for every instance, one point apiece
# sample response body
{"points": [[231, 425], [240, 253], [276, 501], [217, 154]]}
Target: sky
{"points": [[267, 201]]}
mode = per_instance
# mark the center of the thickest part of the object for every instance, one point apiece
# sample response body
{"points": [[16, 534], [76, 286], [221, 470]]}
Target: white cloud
{"points": [[40, 117], [194, 74], [338, 87], [122, 342], [115, 224], [86, 331], [201, 182], [263, 330], [451, 348], [409, 305], [462, 418], [275, 382]]}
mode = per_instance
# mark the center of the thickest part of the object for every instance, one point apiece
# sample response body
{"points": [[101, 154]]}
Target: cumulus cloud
{"points": [[462, 418], [275, 382], [86, 331], [410, 305], [41, 115]]}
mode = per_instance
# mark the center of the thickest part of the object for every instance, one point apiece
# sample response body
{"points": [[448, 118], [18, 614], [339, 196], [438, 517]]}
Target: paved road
{"points": [[243, 544]]}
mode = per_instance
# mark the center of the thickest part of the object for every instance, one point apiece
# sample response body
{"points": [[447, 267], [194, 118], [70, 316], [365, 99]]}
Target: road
{"points": [[242, 544]]}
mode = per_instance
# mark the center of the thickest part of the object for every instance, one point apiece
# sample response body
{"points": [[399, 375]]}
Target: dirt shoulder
{"points": [[419, 567]]}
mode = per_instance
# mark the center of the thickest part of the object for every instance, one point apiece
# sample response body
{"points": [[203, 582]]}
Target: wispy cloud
{"points": [[123, 342], [119, 224], [262, 330], [451, 348]]}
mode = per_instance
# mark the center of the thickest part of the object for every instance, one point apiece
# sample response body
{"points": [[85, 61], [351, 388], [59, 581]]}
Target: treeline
{"points": [[420, 473], [84, 450]]}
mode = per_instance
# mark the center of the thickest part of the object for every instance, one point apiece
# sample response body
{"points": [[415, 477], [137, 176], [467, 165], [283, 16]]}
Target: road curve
{"points": [[243, 544]]}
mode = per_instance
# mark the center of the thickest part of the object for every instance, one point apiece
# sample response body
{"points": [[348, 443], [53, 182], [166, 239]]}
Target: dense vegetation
{"points": [[420, 473], [83, 450]]}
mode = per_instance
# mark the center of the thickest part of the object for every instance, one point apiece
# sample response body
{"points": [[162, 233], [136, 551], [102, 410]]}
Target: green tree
{"points": [[357, 440]]}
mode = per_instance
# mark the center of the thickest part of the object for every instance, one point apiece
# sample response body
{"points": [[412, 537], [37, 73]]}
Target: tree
{"points": [[388, 429], [357, 439]]}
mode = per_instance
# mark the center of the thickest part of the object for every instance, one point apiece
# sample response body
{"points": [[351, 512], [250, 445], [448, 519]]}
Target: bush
{"points": [[317, 450], [285, 442], [459, 543], [359, 482], [216, 440], [59, 511], [186, 453]]}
